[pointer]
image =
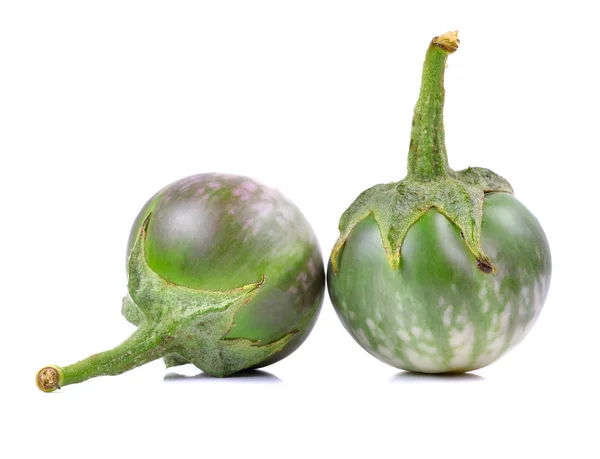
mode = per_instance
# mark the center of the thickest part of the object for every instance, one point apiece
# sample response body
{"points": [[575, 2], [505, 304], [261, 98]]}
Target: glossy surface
{"points": [[220, 232], [438, 312]]}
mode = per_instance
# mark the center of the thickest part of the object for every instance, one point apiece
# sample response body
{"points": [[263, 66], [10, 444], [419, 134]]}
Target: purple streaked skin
{"points": [[219, 232]]}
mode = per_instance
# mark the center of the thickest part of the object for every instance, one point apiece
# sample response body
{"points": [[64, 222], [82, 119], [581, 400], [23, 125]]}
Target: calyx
{"points": [[430, 183], [193, 322], [177, 323]]}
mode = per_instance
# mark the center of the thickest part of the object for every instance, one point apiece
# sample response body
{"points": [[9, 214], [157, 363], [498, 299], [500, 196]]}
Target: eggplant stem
{"points": [[144, 345], [427, 157]]}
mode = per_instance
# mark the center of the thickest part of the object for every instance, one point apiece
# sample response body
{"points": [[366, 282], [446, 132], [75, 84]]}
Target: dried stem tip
{"points": [[449, 41], [49, 378]]}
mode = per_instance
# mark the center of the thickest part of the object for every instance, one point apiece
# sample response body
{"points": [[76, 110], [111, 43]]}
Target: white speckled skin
{"points": [[438, 313]]}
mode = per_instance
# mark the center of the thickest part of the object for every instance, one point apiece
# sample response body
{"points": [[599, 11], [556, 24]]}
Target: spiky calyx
{"points": [[430, 183], [181, 323]]}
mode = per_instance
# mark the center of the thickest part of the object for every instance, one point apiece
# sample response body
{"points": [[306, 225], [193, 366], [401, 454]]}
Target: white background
{"points": [[103, 103]]}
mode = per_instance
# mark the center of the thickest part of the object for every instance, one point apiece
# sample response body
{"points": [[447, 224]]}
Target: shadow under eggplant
{"points": [[241, 377]]}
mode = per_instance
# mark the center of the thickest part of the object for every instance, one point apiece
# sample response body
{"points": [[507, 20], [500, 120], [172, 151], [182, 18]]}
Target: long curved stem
{"points": [[143, 346], [427, 158]]}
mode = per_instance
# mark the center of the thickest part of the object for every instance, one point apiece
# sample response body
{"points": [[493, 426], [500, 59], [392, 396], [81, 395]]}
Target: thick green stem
{"points": [[144, 345], [427, 158]]}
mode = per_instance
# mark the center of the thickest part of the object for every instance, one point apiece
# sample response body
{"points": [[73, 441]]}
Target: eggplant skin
{"points": [[438, 312], [219, 232]]}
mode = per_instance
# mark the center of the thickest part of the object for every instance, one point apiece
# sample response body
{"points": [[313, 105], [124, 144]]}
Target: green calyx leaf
{"points": [[193, 323], [397, 206], [179, 324]]}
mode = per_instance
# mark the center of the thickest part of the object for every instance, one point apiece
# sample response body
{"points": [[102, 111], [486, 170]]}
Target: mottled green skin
{"points": [[219, 232], [438, 312]]}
